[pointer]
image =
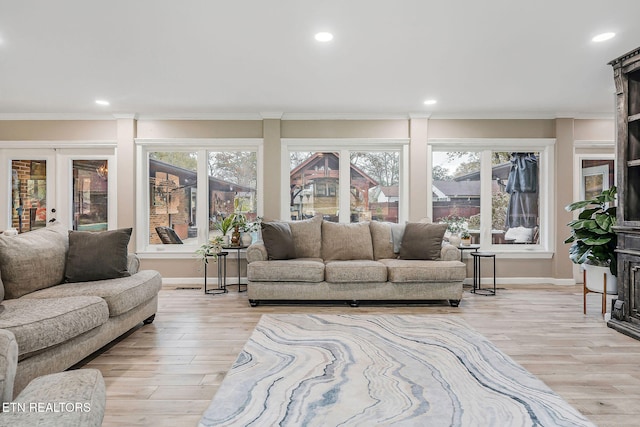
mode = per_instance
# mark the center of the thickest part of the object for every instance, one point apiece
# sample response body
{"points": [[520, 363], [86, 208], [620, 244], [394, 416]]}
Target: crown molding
{"points": [[201, 116], [54, 116], [59, 144], [343, 116], [276, 115], [130, 116]]}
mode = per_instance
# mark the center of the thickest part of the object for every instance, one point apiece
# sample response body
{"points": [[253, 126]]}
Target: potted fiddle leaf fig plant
{"points": [[593, 240]]}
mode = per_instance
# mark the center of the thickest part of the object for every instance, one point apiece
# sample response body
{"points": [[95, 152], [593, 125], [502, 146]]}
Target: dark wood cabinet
{"points": [[626, 310]]}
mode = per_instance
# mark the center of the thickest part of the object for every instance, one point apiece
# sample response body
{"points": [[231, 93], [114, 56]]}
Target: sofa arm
{"points": [[8, 364], [133, 263], [257, 252], [73, 398], [449, 253]]}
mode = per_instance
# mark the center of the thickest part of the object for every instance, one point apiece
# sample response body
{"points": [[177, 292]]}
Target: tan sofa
{"points": [[353, 263], [58, 324], [74, 398]]}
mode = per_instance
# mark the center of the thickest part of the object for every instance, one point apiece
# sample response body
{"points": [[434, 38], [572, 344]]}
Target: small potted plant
{"points": [[465, 238], [211, 249], [593, 241], [224, 225]]}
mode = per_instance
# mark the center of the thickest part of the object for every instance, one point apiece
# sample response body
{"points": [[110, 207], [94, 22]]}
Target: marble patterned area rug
{"points": [[372, 370]]}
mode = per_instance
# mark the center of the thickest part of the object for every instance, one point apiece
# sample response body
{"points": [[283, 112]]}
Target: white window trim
{"points": [[545, 146], [200, 145], [344, 146]]}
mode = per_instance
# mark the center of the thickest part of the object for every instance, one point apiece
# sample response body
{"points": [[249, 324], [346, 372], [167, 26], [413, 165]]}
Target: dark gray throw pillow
{"points": [[278, 240], [97, 255], [422, 241]]}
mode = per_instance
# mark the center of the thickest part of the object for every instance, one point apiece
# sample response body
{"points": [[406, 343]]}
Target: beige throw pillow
{"points": [[422, 241], [307, 237], [33, 260], [346, 241]]}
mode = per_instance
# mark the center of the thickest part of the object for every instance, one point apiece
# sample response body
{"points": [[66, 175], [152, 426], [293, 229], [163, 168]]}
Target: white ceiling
{"points": [[207, 58]]}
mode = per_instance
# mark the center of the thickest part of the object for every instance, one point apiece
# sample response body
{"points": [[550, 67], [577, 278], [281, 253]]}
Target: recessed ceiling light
{"points": [[324, 37], [603, 37], [102, 102], [430, 102]]}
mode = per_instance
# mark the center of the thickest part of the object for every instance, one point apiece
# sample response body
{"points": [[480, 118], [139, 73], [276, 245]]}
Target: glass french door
{"points": [[69, 186], [32, 190]]}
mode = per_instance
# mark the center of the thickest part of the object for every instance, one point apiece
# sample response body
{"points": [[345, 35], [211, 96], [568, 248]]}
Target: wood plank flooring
{"points": [[166, 373]]}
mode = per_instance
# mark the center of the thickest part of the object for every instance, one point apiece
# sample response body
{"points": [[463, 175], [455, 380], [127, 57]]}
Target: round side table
{"points": [[477, 276]]}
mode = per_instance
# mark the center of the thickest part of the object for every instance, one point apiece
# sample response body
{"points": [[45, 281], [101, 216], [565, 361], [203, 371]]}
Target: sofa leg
{"points": [[354, 303], [254, 302], [454, 302], [149, 319]]}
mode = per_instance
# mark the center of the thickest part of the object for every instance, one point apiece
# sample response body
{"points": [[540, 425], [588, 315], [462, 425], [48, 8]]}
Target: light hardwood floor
{"points": [[166, 373]]}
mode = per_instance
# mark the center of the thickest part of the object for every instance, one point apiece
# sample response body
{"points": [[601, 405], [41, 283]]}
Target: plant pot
{"points": [[455, 240], [465, 242], [246, 239], [594, 278]]}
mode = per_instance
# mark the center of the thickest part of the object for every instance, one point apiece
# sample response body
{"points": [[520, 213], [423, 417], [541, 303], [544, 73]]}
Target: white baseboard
{"points": [[173, 282]]}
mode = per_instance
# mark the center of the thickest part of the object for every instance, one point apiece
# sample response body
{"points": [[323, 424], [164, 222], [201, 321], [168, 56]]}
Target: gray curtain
{"points": [[522, 184]]}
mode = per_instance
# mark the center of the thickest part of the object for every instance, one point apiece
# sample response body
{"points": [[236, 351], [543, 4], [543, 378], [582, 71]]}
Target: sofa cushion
{"points": [[294, 270], [278, 240], [406, 271], [422, 241], [97, 255], [42, 323], [121, 295], [355, 272], [33, 260], [346, 241], [381, 240], [307, 237]]}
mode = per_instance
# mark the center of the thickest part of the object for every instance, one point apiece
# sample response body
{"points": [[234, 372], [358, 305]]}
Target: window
{"points": [[347, 181], [456, 191], [233, 182], [189, 188], [494, 190], [173, 178], [314, 181], [90, 195], [375, 186], [28, 194]]}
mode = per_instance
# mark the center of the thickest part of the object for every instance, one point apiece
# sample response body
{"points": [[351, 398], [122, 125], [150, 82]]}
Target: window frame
{"points": [[486, 146], [201, 146], [345, 146]]}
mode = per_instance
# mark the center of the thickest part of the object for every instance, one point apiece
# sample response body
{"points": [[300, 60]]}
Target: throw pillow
{"points": [[422, 241], [381, 238], [278, 240], [346, 241], [33, 261], [97, 255], [307, 237]]}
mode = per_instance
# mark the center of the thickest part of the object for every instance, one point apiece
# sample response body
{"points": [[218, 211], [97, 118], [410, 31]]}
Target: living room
{"points": [[166, 127]]}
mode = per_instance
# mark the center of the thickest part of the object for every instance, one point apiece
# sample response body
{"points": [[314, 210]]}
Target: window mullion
{"points": [[202, 199], [486, 219], [345, 187]]}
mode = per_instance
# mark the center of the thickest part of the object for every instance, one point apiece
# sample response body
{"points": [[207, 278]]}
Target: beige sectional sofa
{"points": [[57, 324], [353, 263]]}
